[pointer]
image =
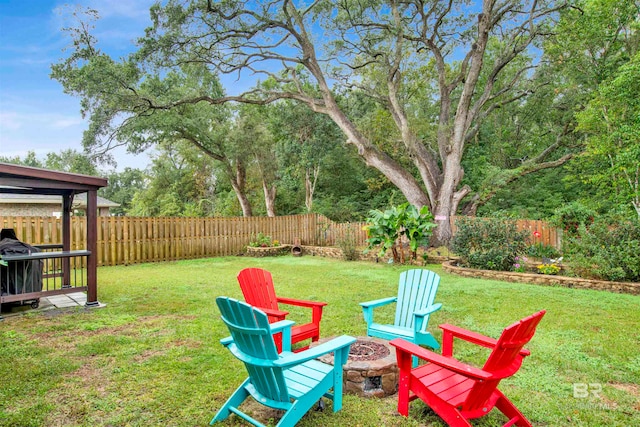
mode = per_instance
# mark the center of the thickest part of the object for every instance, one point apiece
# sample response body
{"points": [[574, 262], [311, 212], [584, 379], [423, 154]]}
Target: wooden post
{"points": [[92, 247], [67, 201]]}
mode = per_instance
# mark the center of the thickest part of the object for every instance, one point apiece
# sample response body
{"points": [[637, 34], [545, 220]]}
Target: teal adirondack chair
{"points": [[414, 304], [292, 382]]}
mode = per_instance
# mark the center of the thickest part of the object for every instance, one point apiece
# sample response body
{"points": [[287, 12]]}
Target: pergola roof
{"points": [[27, 180], [79, 200]]}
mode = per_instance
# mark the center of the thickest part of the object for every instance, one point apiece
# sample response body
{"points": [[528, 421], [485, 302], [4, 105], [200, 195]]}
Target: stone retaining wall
{"points": [[272, 251], [334, 252], [545, 279], [323, 251]]}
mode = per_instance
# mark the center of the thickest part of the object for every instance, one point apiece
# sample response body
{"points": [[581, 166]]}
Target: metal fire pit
{"points": [[371, 370]]}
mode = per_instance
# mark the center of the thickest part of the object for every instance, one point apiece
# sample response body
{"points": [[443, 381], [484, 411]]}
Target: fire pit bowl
{"points": [[371, 370]]}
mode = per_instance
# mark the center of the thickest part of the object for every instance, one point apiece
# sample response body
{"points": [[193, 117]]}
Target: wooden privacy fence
{"points": [[129, 240]]}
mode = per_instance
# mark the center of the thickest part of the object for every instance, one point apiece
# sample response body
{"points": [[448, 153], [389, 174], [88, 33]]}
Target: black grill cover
{"points": [[19, 277]]}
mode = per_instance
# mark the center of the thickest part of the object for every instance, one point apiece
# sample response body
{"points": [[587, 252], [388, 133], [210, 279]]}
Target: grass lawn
{"points": [[152, 356]]}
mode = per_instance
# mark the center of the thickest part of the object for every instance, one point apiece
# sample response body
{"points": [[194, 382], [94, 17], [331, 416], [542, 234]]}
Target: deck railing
{"points": [[28, 277]]}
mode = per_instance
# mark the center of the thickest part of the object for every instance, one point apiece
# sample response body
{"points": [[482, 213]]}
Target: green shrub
{"points": [[488, 243], [570, 216], [606, 251], [348, 246], [262, 241]]}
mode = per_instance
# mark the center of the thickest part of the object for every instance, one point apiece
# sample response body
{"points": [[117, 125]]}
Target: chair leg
{"points": [[292, 416], [505, 406], [234, 401], [337, 385], [301, 406], [450, 415], [403, 395], [403, 359]]}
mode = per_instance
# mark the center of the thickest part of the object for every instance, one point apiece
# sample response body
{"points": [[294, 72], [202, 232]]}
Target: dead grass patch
{"points": [[76, 394], [633, 389]]}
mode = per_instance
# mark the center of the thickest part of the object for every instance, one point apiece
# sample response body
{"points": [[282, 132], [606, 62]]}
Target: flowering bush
{"points": [[548, 269], [520, 264], [263, 241], [488, 243], [608, 250]]}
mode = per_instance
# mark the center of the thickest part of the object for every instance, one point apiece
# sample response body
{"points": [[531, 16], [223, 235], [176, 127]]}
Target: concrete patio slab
{"points": [[76, 299]]}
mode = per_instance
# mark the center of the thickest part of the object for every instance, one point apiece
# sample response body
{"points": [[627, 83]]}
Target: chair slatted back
{"points": [[505, 359], [257, 288], [416, 290], [251, 333]]}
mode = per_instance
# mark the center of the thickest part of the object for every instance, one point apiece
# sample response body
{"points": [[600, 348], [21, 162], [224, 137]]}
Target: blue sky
{"points": [[35, 114]]}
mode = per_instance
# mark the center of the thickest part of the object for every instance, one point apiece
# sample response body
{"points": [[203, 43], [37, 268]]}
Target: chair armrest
{"points": [[367, 308], [450, 331], [408, 349], [428, 310], [338, 343], [419, 325], [378, 302], [278, 314], [243, 357], [283, 326], [301, 303], [315, 306], [465, 334]]}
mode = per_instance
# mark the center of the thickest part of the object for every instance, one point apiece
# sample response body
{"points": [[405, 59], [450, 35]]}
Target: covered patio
{"points": [[51, 269]]}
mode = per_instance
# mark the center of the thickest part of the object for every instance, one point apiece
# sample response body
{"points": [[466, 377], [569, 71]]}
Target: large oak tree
{"points": [[376, 48]]}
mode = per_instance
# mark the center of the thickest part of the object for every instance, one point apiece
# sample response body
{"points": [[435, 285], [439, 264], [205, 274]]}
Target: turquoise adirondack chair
{"points": [[292, 382], [414, 304]]}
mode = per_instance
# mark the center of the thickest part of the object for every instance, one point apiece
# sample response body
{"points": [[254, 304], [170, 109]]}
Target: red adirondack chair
{"points": [[257, 288], [458, 392]]}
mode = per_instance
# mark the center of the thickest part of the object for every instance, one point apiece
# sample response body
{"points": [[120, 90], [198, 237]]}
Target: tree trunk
{"points": [[238, 181], [396, 256], [310, 186], [269, 199], [242, 198]]}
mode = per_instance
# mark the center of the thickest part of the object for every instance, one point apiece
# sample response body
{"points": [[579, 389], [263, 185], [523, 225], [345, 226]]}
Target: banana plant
{"points": [[386, 229]]}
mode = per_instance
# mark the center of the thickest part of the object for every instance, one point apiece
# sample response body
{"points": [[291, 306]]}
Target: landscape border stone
{"points": [[260, 252], [544, 279]]}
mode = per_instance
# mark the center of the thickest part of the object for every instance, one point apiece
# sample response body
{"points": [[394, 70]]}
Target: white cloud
{"points": [[40, 132], [9, 121], [14, 120], [65, 122]]}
